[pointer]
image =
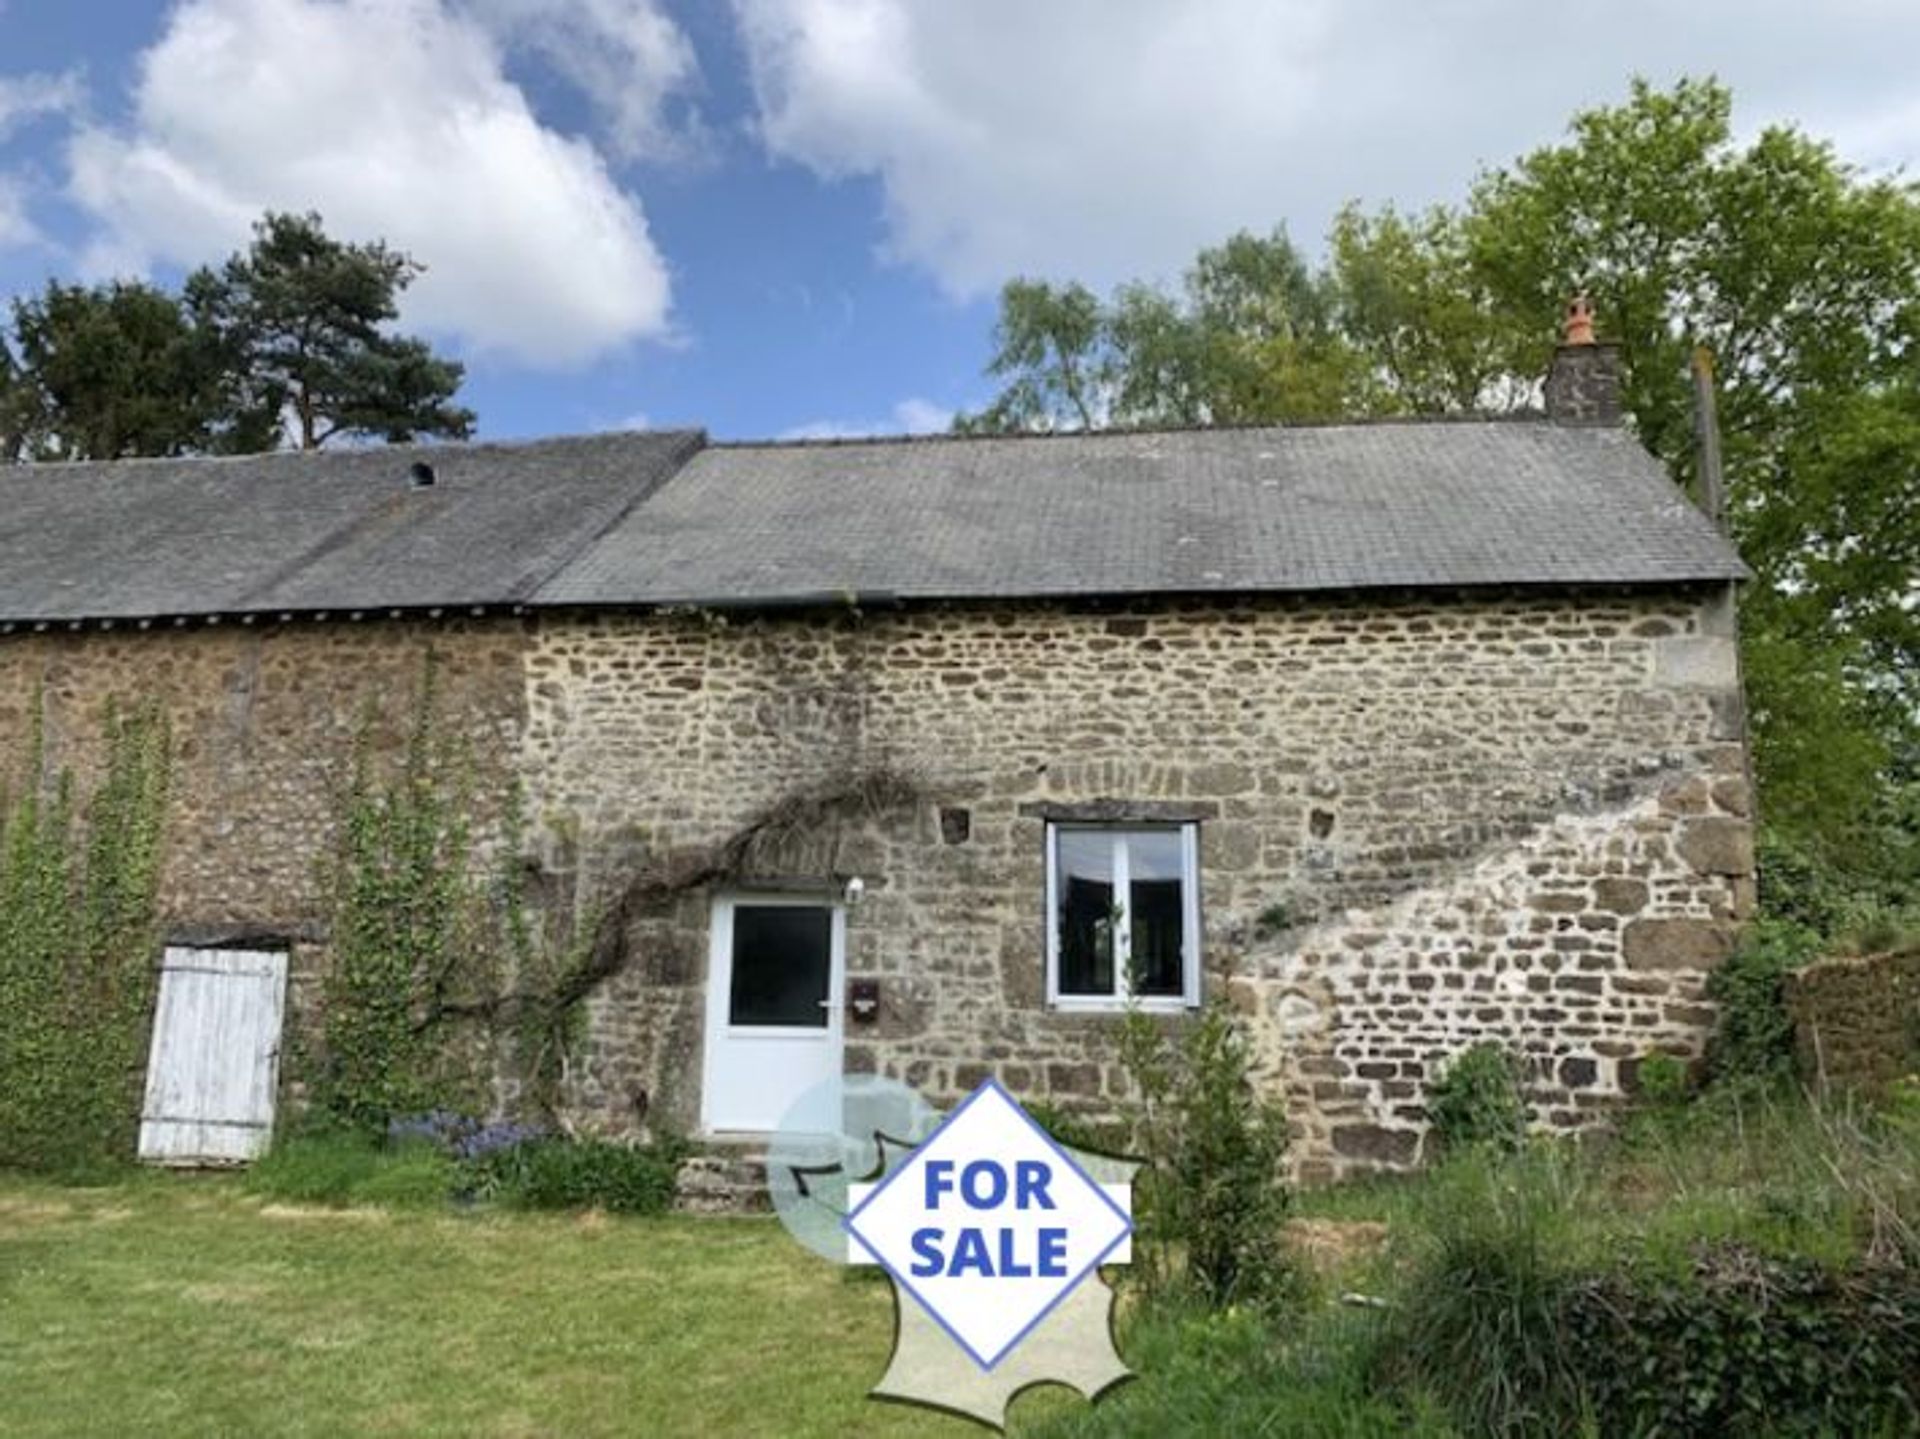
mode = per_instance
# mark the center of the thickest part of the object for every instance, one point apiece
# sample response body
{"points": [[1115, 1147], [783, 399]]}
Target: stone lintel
{"points": [[1121, 811]]}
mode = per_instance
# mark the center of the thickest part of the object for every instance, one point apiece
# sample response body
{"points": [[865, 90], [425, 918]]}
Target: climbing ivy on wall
{"points": [[408, 951], [443, 975], [79, 946], [542, 1013]]}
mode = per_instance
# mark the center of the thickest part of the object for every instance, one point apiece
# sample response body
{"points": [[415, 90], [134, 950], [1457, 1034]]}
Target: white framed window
{"points": [[1123, 915]]}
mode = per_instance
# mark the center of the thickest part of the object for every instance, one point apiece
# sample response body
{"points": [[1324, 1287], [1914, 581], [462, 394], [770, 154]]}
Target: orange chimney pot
{"points": [[1579, 321]]}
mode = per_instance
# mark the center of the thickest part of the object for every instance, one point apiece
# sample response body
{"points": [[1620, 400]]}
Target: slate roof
{"points": [[341, 530], [649, 518], [1436, 503]]}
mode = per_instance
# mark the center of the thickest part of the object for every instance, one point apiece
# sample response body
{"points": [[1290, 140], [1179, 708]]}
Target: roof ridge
{"points": [[706, 441], [401, 448], [936, 437]]}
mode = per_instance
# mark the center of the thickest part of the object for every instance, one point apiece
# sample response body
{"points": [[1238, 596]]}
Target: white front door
{"points": [[775, 989]]}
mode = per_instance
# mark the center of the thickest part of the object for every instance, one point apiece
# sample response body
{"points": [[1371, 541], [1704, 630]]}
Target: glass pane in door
{"points": [[782, 965]]}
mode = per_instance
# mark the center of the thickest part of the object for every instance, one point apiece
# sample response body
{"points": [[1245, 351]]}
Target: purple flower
{"points": [[495, 1137], [442, 1128]]}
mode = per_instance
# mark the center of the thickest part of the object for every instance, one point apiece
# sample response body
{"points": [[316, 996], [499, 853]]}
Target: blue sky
{"points": [[791, 216]]}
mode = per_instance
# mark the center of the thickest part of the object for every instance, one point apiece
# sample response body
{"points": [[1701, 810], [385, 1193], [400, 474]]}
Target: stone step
{"points": [[724, 1180]]}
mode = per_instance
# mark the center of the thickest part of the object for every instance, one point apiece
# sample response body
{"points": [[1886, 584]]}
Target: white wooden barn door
{"points": [[215, 1063]]}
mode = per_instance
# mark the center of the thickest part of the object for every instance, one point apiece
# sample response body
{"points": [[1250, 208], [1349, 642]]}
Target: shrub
{"points": [[1076, 1131], [414, 1176], [440, 1128], [1774, 1290], [1879, 929], [1663, 1081], [1745, 1344], [430, 1158], [1752, 1041], [553, 1172], [340, 1166], [1476, 1101], [1797, 887], [1211, 1188], [461, 1136]]}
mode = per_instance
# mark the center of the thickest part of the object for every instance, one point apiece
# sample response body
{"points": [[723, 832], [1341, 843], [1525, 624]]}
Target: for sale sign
{"points": [[990, 1225]]}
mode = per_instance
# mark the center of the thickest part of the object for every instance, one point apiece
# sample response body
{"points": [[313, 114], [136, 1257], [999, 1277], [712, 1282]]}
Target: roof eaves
{"points": [[850, 599]]}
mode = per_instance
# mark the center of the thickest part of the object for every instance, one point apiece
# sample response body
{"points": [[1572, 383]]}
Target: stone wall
{"points": [[264, 720], [1856, 1021], [1429, 821]]}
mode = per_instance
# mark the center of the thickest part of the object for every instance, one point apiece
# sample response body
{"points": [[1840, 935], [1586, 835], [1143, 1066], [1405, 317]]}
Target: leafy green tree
{"points": [[15, 403], [1250, 335], [1800, 275], [289, 337], [104, 372], [1409, 300], [1053, 347], [306, 316]]}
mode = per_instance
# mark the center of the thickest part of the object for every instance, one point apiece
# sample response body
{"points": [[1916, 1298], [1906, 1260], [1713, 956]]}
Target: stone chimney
{"points": [[1583, 385]]}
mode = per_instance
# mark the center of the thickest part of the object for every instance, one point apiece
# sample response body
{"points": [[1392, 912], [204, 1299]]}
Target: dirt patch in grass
{"points": [[306, 1212], [1329, 1246], [29, 1211]]}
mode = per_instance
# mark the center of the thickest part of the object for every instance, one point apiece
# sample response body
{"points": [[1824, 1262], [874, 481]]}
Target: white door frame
{"points": [[723, 1039]]}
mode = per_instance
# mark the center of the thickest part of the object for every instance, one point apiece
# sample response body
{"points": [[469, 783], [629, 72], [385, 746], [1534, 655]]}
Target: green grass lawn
{"points": [[169, 1304], [181, 1305]]}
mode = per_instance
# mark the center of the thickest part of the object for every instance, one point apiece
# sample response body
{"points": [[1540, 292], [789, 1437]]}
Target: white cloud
{"points": [[1880, 135], [921, 417], [1086, 134], [627, 57], [394, 120], [1111, 138], [28, 96], [16, 224], [24, 99], [913, 416]]}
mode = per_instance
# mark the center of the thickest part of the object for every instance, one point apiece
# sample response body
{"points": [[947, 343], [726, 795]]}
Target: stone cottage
{"points": [[1399, 736]]}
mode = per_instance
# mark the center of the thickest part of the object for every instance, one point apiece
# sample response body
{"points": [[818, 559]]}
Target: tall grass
{"points": [[1757, 1225], [1206, 1372], [1751, 1253], [1773, 1169], [1477, 1322]]}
